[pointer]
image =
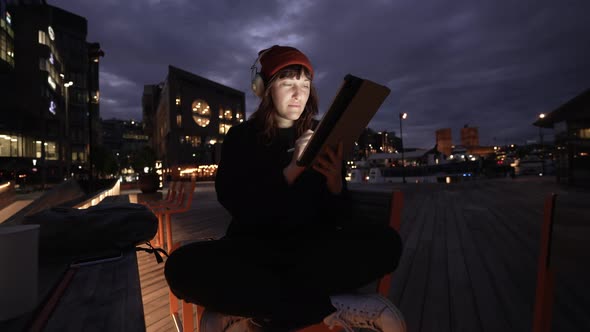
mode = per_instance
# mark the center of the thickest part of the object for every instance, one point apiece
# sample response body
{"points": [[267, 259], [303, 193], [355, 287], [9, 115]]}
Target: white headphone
{"points": [[257, 80]]}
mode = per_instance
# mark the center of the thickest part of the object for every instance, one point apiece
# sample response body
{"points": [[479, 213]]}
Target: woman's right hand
{"points": [[292, 171], [300, 145]]}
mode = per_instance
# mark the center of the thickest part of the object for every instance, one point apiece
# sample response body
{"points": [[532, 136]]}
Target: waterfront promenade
{"points": [[469, 261]]}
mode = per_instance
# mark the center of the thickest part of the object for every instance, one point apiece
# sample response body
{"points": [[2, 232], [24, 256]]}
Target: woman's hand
{"points": [[292, 171], [330, 165]]}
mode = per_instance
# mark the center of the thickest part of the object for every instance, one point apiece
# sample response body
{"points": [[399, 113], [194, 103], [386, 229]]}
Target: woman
{"points": [[290, 255]]}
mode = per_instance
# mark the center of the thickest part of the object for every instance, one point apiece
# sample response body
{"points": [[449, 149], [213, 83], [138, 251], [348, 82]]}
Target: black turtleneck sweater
{"points": [[250, 184]]}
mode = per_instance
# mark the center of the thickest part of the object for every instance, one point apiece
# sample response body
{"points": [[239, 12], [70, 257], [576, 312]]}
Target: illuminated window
{"points": [[95, 97], [201, 112], [37, 149], [43, 38], [584, 133], [179, 120], [50, 151], [223, 128], [9, 146], [227, 114], [194, 141], [177, 101]]}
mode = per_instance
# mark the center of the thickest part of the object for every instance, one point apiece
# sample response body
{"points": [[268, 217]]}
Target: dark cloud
{"points": [[490, 64]]}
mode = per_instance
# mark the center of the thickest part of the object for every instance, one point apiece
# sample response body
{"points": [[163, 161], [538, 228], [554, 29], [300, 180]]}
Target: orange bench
{"points": [[170, 196], [376, 205], [171, 199], [542, 314], [165, 212]]}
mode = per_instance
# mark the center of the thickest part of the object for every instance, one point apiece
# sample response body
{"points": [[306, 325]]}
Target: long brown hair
{"points": [[264, 116]]}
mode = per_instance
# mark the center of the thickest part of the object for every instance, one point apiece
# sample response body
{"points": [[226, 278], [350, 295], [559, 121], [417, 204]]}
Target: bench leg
{"points": [[169, 243], [160, 234], [543, 310], [173, 303], [384, 285], [187, 317], [200, 310]]}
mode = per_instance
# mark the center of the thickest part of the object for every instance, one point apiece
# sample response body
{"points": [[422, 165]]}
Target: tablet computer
{"points": [[354, 106]]}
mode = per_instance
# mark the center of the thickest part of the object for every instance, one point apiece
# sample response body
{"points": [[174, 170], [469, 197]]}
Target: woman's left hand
{"points": [[330, 165]]}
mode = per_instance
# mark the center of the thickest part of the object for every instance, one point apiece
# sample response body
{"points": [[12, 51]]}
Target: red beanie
{"points": [[279, 57]]}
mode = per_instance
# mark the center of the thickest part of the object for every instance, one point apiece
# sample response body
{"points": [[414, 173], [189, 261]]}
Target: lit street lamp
{"points": [[542, 116], [402, 116]]}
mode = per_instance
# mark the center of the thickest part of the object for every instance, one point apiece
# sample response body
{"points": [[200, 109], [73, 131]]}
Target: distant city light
{"points": [[51, 82], [52, 107], [51, 33]]}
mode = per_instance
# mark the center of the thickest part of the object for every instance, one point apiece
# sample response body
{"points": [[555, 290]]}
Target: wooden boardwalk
{"points": [[469, 261]]}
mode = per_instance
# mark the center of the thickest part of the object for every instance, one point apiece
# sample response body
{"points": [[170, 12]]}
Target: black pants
{"points": [[287, 281]]}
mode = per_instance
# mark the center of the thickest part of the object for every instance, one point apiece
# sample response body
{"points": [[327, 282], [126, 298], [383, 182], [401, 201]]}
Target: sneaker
{"points": [[372, 312], [215, 322]]}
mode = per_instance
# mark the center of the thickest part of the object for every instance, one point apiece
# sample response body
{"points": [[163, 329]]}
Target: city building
{"points": [[571, 126], [444, 141], [469, 144], [469, 137], [6, 39], [49, 91], [149, 103], [124, 139], [121, 136], [370, 142], [187, 117]]}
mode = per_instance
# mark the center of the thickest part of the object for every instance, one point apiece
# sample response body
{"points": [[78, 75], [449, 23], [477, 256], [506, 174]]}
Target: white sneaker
{"points": [[365, 311], [215, 322]]}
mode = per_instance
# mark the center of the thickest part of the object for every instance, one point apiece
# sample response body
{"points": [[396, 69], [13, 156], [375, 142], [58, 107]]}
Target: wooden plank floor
{"points": [[206, 219], [469, 261]]}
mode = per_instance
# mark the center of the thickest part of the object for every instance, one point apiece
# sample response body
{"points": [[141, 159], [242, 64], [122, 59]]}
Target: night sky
{"points": [[489, 64]]}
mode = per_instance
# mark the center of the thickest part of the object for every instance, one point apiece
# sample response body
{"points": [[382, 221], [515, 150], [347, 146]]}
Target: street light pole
{"points": [[94, 53], [402, 116], [542, 116], [68, 155]]}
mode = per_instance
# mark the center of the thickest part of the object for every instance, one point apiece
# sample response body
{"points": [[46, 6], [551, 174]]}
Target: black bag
{"points": [[106, 227]]}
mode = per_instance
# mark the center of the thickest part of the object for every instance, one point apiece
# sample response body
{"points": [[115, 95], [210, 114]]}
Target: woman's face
{"points": [[290, 96]]}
